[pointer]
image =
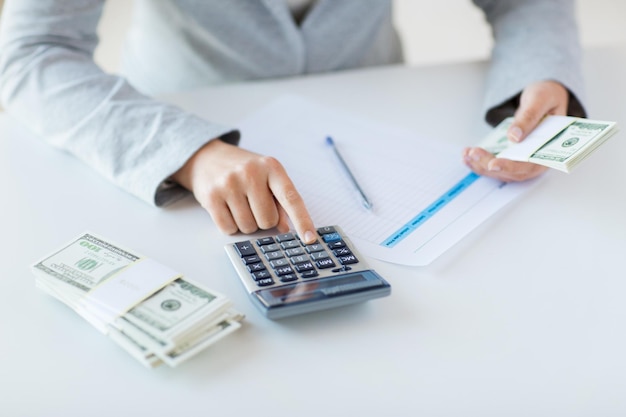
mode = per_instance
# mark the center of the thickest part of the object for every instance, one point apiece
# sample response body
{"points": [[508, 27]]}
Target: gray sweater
{"points": [[49, 81]]}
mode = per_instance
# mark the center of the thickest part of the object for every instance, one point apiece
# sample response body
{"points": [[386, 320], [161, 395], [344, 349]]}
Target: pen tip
{"points": [[329, 140]]}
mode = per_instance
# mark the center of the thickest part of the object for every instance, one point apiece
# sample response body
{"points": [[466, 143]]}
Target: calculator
{"points": [[284, 276]]}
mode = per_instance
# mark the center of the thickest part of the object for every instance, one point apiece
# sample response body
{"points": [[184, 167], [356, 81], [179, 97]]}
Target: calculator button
{"points": [[270, 256], [283, 270], [319, 255], [337, 244], [331, 237], [265, 241], [325, 263], [294, 252], [298, 259], [304, 266], [309, 274], [348, 259], [314, 248], [285, 237], [290, 244], [288, 277], [251, 259], [259, 275], [310, 243], [245, 248], [273, 247], [325, 230], [342, 269], [265, 282], [256, 267], [342, 252], [279, 262]]}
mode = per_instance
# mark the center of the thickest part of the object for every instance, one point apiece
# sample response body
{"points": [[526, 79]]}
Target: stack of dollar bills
{"points": [[559, 142], [155, 314]]}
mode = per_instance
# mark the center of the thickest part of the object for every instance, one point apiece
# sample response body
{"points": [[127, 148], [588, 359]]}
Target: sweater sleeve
{"points": [[535, 40], [50, 83]]}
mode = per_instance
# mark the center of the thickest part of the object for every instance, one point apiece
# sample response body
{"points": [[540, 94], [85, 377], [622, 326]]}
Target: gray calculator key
{"points": [[245, 248], [256, 267], [259, 275], [251, 259], [270, 248], [288, 277], [314, 248], [265, 241], [270, 256], [265, 282], [309, 274], [337, 244], [319, 255], [298, 259], [325, 230], [294, 252], [285, 237], [290, 244], [325, 263], [283, 270], [348, 259], [342, 252], [279, 262], [304, 266]]}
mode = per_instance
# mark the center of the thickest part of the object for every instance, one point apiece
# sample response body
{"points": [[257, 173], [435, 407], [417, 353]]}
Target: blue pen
{"points": [[364, 200]]}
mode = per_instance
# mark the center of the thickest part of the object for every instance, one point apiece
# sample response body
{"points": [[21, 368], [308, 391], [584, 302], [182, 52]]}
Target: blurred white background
{"points": [[432, 31]]}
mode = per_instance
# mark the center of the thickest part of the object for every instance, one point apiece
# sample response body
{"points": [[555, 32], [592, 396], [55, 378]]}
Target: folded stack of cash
{"points": [[559, 142], [152, 312]]}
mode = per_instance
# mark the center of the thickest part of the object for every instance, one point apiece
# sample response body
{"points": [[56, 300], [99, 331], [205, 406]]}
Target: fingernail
{"points": [[515, 133], [309, 236], [493, 167], [474, 155]]}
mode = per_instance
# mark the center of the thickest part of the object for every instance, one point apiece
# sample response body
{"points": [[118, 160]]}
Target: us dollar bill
{"points": [[83, 264], [163, 327], [497, 141], [573, 144], [563, 150]]}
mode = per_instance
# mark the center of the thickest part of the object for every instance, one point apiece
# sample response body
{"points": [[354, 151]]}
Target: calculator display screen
{"points": [[321, 289]]}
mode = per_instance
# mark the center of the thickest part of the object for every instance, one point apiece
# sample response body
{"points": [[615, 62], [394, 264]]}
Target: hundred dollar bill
{"points": [[82, 265], [164, 326], [164, 319], [561, 149], [572, 145]]}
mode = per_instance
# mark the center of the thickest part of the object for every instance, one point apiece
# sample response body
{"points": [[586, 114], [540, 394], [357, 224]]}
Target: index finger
{"points": [[291, 201]]}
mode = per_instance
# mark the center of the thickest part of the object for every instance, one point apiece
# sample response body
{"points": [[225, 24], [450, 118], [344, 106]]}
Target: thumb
{"points": [[537, 101], [527, 117]]}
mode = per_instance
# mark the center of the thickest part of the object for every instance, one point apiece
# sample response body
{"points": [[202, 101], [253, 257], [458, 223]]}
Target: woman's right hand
{"points": [[244, 191]]}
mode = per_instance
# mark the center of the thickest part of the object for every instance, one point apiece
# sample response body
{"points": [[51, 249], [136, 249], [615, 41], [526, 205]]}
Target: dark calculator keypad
{"points": [[285, 258]]}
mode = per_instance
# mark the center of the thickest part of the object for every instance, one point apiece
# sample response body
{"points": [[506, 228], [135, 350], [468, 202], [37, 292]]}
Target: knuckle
{"points": [[271, 163], [248, 227], [227, 228], [291, 195], [268, 219], [527, 115], [266, 224], [245, 171]]}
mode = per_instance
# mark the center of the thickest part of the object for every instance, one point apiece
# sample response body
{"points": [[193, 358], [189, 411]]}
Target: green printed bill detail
{"points": [[169, 325], [86, 262], [562, 151]]}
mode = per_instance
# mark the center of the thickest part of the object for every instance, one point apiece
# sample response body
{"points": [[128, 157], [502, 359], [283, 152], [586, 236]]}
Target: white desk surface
{"points": [[524, 317]]}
